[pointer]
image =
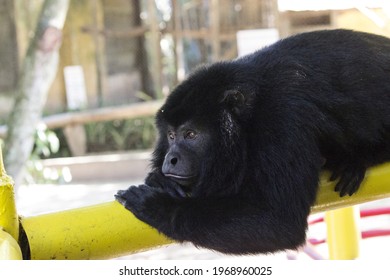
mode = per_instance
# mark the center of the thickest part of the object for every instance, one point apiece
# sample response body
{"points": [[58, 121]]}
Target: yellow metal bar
{"points": [[9, 223], [96, 232], [375, 186], [9, 248], [343, 234], [108, 230], [8, 216]]}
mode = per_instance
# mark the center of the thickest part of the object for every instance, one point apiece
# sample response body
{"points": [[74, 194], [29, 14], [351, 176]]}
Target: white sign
{"points": [[249, 41], [76, 94]]}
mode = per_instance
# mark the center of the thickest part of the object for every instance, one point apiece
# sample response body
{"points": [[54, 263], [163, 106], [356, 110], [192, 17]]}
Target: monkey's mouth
{"points": [[185, 182], [180, 177]]}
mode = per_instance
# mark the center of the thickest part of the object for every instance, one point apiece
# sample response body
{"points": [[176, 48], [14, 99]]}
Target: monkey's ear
{"points": [[234, 100]]}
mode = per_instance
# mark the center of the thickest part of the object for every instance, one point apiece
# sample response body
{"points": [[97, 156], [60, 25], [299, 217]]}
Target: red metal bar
{"points": [[363, 213], [365, 234]]}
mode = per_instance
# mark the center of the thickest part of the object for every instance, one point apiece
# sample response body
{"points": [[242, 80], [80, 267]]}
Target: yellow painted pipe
{"points": [[376, 185], [8, 216], [343, 234], [9, 248], [103, 231], [108, 230], [9, 223]]}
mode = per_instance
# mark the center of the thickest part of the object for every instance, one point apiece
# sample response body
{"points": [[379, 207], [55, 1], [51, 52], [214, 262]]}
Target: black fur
{"points": [[272, 117]]}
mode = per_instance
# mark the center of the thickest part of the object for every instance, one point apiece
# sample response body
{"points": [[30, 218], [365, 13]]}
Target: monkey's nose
{"points": [[174, 160]]}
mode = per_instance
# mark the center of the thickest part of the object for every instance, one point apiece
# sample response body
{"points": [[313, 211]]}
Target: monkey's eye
{"points": [[171, 135], [190, 134]]}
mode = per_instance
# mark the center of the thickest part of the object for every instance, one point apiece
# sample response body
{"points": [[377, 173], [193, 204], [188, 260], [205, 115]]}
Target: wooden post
{"points": [[98, 52], [155, 47], [215, 30], [142, 57], [178, 39]]}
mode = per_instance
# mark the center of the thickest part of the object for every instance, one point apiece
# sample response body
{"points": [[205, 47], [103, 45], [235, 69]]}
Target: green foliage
{"points": [[110, 136], [121, 135], [46, 144], [118, 135]]}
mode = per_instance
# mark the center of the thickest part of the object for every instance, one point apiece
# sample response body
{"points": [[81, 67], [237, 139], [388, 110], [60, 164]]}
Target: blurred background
{"points": [[81, 80]]}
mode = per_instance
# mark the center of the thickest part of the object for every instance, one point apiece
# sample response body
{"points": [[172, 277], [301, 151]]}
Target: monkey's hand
{"points": [[350, 178], [151, 205]]}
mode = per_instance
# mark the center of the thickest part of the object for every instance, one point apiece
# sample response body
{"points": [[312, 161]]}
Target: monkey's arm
{"points": [[230, 224]]}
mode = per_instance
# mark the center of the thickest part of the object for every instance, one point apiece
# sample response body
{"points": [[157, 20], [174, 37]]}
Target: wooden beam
{"points": [[98, 115], [202, 33], [133, 32]]}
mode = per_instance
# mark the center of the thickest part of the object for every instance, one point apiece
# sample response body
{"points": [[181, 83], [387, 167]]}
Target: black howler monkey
{"points": [[242, 142]]}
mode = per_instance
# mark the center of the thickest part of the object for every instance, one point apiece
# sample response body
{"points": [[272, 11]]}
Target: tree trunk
{"points": [[37, 73]]}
